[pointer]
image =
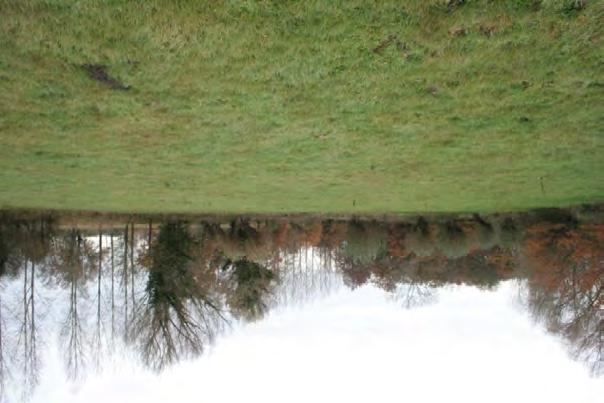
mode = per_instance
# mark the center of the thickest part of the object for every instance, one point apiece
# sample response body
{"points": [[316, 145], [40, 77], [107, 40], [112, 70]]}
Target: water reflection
{"points": [[164, 291]]}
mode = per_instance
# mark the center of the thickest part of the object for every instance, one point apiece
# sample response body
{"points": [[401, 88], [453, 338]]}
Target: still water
{"points": [[502, 308]]}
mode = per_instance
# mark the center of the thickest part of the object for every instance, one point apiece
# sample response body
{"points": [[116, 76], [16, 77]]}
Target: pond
{"points": [[220, 309]]}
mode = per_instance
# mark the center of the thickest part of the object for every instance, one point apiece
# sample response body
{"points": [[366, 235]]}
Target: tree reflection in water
{"points": [[564, 290], [178, 315], [170, 289], [252, 282]]}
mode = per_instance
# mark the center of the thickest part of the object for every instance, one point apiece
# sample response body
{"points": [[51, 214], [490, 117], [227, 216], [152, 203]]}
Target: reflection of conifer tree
{"points": [[248, 282], [353, 274], [365, 242], [252, 284], [419, 239], [177, 316], [364, 245]]}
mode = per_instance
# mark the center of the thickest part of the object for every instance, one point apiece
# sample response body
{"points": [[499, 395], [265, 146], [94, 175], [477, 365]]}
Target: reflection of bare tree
{"points": [[178, 316], [3, 364], [23, 247], [132, 266], [125, 283], [573, 315], [28, 333], [73, 331], [112, 290], [564, 290], [97, 339], [4, 251], [111, 314], [414, 294], [305, 273], [34, 246], [73, 256]]}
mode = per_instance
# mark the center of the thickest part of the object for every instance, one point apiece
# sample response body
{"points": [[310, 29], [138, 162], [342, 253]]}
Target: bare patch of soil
{"points": [[99, 73]]}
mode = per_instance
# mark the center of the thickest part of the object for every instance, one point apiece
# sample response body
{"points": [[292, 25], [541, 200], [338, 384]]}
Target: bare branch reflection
{"points": [[565, 286], [74, 258], [178, 315]]}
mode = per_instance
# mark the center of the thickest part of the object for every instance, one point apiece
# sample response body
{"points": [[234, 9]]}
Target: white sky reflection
{"points": [[357, 346]]}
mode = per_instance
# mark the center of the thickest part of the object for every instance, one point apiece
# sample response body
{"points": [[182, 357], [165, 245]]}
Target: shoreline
{"points": [[595, 210]]}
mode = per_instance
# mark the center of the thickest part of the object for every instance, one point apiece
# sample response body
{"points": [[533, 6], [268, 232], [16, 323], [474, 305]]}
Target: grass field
{"points": [[301, 106]]}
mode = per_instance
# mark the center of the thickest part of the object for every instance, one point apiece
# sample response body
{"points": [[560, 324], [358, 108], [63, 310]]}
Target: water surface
{"points": [[504, 306]]}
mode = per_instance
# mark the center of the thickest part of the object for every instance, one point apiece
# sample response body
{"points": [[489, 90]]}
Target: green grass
{"points": [[282, 106]]}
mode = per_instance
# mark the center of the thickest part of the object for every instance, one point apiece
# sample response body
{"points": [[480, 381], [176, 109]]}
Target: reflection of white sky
{"points": [[360, 345]]}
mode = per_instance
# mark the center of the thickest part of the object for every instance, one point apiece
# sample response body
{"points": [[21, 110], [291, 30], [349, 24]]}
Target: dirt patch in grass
{"points": [[99, 73]]}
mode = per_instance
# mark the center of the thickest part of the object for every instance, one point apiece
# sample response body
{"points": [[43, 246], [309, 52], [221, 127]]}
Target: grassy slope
{"points": [[245, 106]]}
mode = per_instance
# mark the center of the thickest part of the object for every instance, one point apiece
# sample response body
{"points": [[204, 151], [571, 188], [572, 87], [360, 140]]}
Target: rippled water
{"points": [[501, 308]]}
